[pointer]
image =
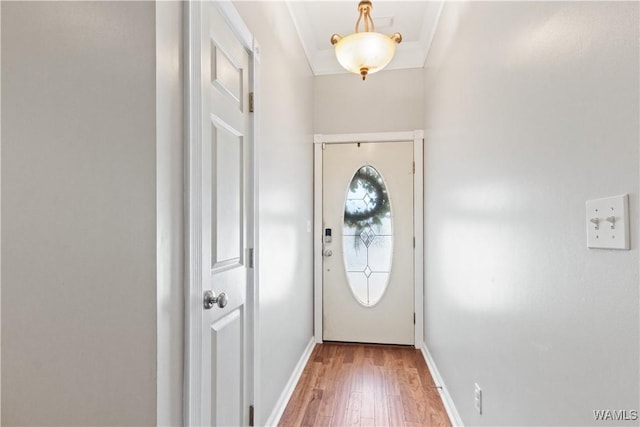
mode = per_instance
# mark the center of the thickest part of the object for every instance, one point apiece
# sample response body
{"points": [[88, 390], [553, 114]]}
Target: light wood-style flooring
{"points": [[365, 385]]}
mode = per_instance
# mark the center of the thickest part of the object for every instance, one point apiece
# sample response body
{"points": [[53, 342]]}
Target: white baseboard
{"points": [[449, 406], [281, 404]]}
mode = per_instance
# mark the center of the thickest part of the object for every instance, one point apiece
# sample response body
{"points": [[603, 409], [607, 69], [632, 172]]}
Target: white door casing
{"points": [[324, 141], [221, 222], [389, 319]]}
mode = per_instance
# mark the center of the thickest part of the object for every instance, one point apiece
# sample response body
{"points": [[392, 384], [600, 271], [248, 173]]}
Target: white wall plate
{"points": [[608, 223]]}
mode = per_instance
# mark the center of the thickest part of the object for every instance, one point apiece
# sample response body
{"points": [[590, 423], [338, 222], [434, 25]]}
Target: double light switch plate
{"points": [[608, 223]]}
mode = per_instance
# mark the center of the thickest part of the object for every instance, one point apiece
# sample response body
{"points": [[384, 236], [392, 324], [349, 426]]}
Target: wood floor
{"points": [[365, 385]]}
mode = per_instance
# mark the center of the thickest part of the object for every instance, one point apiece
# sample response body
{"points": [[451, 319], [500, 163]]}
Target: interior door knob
{"points": [[210, 299]]}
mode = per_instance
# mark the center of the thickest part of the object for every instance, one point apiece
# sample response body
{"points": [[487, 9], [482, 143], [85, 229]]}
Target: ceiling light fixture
{"points": [[365, 52]]}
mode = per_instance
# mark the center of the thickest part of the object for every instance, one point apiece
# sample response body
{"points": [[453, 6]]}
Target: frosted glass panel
{"points": [[358, 283], [379, 259], [377, 285], [355, 257], [367, 232]]}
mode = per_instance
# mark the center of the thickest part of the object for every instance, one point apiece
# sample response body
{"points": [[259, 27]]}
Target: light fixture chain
{"points": [[370, 20], [358, 21]]}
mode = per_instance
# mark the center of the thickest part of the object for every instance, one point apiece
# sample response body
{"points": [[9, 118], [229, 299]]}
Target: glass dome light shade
{"points": [[367, 51]]}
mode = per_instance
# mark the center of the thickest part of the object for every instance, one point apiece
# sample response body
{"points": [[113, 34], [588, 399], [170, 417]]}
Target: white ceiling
{"points": [[317, 20]]}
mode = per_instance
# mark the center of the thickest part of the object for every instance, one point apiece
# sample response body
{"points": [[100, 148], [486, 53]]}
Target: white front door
{"points": [[368, 283], [224, 161]]}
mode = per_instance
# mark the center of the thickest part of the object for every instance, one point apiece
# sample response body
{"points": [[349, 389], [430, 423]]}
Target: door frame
{"points": [[193, 200], [319, 141]]}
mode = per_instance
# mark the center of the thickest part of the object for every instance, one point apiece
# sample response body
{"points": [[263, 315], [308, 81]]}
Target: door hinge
{"points": [[414, 318], [414, 167], [324, 146], [414, 243], [250, 256], [251, 416], [251, 102]]}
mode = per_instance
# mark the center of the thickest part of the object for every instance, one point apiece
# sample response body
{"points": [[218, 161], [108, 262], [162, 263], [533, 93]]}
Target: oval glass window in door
{"points": [[367, 232]]}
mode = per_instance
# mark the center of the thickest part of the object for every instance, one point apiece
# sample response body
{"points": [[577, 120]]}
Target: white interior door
{"points": [[368, 283], [225, 126]]}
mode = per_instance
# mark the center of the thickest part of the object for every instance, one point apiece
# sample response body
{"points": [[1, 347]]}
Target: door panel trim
{"points": [[194, 270], [417, 136]]}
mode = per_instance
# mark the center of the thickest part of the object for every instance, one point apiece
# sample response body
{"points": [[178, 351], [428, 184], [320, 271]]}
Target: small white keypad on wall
{"points": [[608, 223]]}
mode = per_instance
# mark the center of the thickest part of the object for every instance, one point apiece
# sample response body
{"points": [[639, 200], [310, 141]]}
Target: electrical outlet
{"points": [[478, 397]]}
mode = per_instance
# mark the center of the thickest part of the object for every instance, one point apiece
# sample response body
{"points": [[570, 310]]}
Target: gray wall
{"points": [[170, 207], [0, 214], [78, 213], [531, 109], [285, 199], [387, 101]]}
